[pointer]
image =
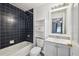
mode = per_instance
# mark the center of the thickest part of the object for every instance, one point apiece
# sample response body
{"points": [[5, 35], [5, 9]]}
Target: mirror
{"points": [[57, 25], [58, 21]]}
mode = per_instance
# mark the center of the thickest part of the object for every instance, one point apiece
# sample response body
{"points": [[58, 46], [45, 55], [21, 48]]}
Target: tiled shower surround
{"points": [[15, 25]]}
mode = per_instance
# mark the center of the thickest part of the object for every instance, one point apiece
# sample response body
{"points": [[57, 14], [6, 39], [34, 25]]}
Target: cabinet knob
{"points": [[70, 45]]}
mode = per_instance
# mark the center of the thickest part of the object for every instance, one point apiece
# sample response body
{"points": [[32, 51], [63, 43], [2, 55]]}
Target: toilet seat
{"points": [[35, 51]]}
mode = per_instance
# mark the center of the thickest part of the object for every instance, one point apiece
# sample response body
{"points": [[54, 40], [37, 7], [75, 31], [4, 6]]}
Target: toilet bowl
{"points": [[35, 51]]}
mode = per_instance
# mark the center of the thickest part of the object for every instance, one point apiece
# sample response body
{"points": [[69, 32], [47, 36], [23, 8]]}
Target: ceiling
{"points": [[27, 6]]}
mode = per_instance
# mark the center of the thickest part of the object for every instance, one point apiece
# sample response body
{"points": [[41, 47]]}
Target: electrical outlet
{"points": [[11, 41]]}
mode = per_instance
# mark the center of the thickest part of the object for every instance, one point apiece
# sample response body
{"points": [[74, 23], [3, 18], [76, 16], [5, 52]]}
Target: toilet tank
{"points": [[40, 42]]}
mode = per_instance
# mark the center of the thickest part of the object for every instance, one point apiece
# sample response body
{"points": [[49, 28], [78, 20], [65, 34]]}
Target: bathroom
{"points": [[39, 29]]}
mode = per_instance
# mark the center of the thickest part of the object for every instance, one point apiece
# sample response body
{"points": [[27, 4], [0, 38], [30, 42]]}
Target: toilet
{"points": [[35, 51]]}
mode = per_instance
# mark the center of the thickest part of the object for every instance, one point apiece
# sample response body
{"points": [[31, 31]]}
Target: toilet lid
{"points": [[35, 50]]}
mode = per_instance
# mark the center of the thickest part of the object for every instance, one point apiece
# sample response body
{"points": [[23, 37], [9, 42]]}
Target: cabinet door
{"points": [[50, 49], [63, 50]]}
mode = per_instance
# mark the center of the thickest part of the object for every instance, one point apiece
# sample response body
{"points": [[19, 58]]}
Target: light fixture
{"points": [[10, 20]]}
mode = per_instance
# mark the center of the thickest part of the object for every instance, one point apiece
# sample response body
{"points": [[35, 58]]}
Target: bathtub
{"points": [[20, 49]]}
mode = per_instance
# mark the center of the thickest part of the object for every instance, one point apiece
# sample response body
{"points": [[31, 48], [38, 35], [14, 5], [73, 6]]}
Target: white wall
{"points": [[40, 13], [75, 30]]}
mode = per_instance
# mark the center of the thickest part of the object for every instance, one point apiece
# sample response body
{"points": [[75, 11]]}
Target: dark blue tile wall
{"points": [[30, 25], [14, 25]]}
